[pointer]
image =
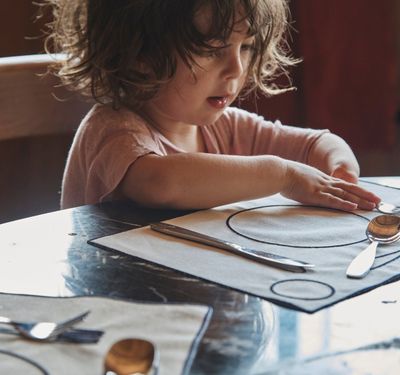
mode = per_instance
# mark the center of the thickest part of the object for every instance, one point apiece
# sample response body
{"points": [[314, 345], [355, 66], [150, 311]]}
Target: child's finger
{"points": [[348, 196], [336, 202], [359, 191]]}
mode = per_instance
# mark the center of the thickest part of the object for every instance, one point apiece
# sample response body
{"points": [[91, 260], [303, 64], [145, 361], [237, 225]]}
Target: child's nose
{"points": [[234, 66]]}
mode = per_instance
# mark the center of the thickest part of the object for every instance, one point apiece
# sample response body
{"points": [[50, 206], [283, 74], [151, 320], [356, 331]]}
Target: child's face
{"points": [[219, 77]]}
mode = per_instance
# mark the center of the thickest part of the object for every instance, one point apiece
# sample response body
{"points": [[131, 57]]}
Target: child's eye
{"points": [[212, 53], [248, 48]]}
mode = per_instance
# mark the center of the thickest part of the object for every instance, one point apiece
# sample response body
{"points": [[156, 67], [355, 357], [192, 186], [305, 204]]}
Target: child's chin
{"points": [[210, 119]]}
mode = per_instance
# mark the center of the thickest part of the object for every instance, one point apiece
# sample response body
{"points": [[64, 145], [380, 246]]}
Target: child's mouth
{"points": [[218, 101]]}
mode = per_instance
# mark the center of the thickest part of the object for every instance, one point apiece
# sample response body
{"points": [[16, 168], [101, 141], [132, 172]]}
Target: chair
{"points": [[36, 130]]}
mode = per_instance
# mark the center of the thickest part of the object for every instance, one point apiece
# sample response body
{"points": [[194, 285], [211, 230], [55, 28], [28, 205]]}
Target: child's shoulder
{"points": [[105, 114], [103, 118], [103, 124], [238, 116]]}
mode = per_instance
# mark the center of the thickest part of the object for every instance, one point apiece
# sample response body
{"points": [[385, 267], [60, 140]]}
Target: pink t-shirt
{"points": [[108, 141]]}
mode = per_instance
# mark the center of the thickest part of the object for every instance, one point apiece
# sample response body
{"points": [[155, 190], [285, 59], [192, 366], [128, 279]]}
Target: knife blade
{"points": [[269, 259]]}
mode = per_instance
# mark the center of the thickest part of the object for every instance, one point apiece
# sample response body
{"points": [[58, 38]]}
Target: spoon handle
{"points": [[388, 208], [362, 263], [5, 320]]}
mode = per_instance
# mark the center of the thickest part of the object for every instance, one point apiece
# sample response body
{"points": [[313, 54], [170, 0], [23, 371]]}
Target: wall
{"points": [[19, 34], [348, 81], [350, 77]]}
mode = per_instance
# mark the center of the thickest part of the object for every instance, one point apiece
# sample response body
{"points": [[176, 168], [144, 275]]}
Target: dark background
{"points": [[348, 82]]}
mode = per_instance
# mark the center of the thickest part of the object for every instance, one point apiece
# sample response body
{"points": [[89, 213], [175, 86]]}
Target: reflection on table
{"points": [[49, 255]]}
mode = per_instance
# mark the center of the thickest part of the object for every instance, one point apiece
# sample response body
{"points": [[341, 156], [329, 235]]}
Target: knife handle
{"points": [[259, 256]]}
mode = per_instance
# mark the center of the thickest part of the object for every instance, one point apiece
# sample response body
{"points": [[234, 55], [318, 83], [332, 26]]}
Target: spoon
{"points": [[388, 208], [131, 357], [383, 229]]}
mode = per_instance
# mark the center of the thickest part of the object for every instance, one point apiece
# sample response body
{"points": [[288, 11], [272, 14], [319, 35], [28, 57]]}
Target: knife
{"points": [[272, 260]]}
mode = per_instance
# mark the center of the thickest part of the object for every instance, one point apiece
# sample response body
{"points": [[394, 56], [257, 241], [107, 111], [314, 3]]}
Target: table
{"points": [[245, 333]]}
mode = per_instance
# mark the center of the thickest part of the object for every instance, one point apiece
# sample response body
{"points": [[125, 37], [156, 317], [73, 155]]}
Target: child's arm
{"points": [[198, 180], [333, 155]]}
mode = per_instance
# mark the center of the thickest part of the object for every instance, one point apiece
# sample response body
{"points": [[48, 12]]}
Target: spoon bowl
{"points": [[383, 229], [131, 356]]}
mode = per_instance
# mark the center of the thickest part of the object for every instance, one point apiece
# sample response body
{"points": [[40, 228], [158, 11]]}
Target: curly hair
{"points": [[106, 43]]}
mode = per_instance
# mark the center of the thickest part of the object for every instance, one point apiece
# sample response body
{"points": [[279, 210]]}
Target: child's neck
{"points": [[184, 136], [188, 139]]}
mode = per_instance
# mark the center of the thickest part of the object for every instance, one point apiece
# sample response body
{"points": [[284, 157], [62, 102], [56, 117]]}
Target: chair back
{"points": [[38, 119]]}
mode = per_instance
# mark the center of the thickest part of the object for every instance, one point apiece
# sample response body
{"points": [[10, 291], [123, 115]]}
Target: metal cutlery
{"points": [[81, 336], [132, 356], [72, 335], [269, 259], [388, 208], [43, 331], [383, 229]]}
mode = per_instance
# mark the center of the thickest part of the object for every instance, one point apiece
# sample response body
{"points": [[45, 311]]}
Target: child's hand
{"points": [[345, 174], [309, 185]]}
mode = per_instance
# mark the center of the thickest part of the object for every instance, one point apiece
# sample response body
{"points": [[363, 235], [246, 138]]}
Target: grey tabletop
{"points": [[49, 255]]}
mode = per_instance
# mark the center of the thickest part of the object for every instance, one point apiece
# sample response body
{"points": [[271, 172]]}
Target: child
{"points": [[163, 134]]}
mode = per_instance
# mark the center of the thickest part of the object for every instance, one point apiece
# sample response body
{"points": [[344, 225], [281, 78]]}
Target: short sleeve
{"points": [[106, 144], [250, 134]]}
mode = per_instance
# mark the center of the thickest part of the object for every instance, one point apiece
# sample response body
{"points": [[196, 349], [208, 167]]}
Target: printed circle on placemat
{"points": [[299, 226], [303, 289], [12, 362]]}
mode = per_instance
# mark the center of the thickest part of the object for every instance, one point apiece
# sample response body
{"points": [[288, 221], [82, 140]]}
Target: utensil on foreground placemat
{"points": [[72, 335], [43, 331], [81, 336], [388, 208], [269, 259], [383, 229], [131, 356]]}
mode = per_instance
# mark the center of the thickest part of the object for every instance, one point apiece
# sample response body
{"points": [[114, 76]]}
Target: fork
{"points": [[72, 335], [43, 331]]}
